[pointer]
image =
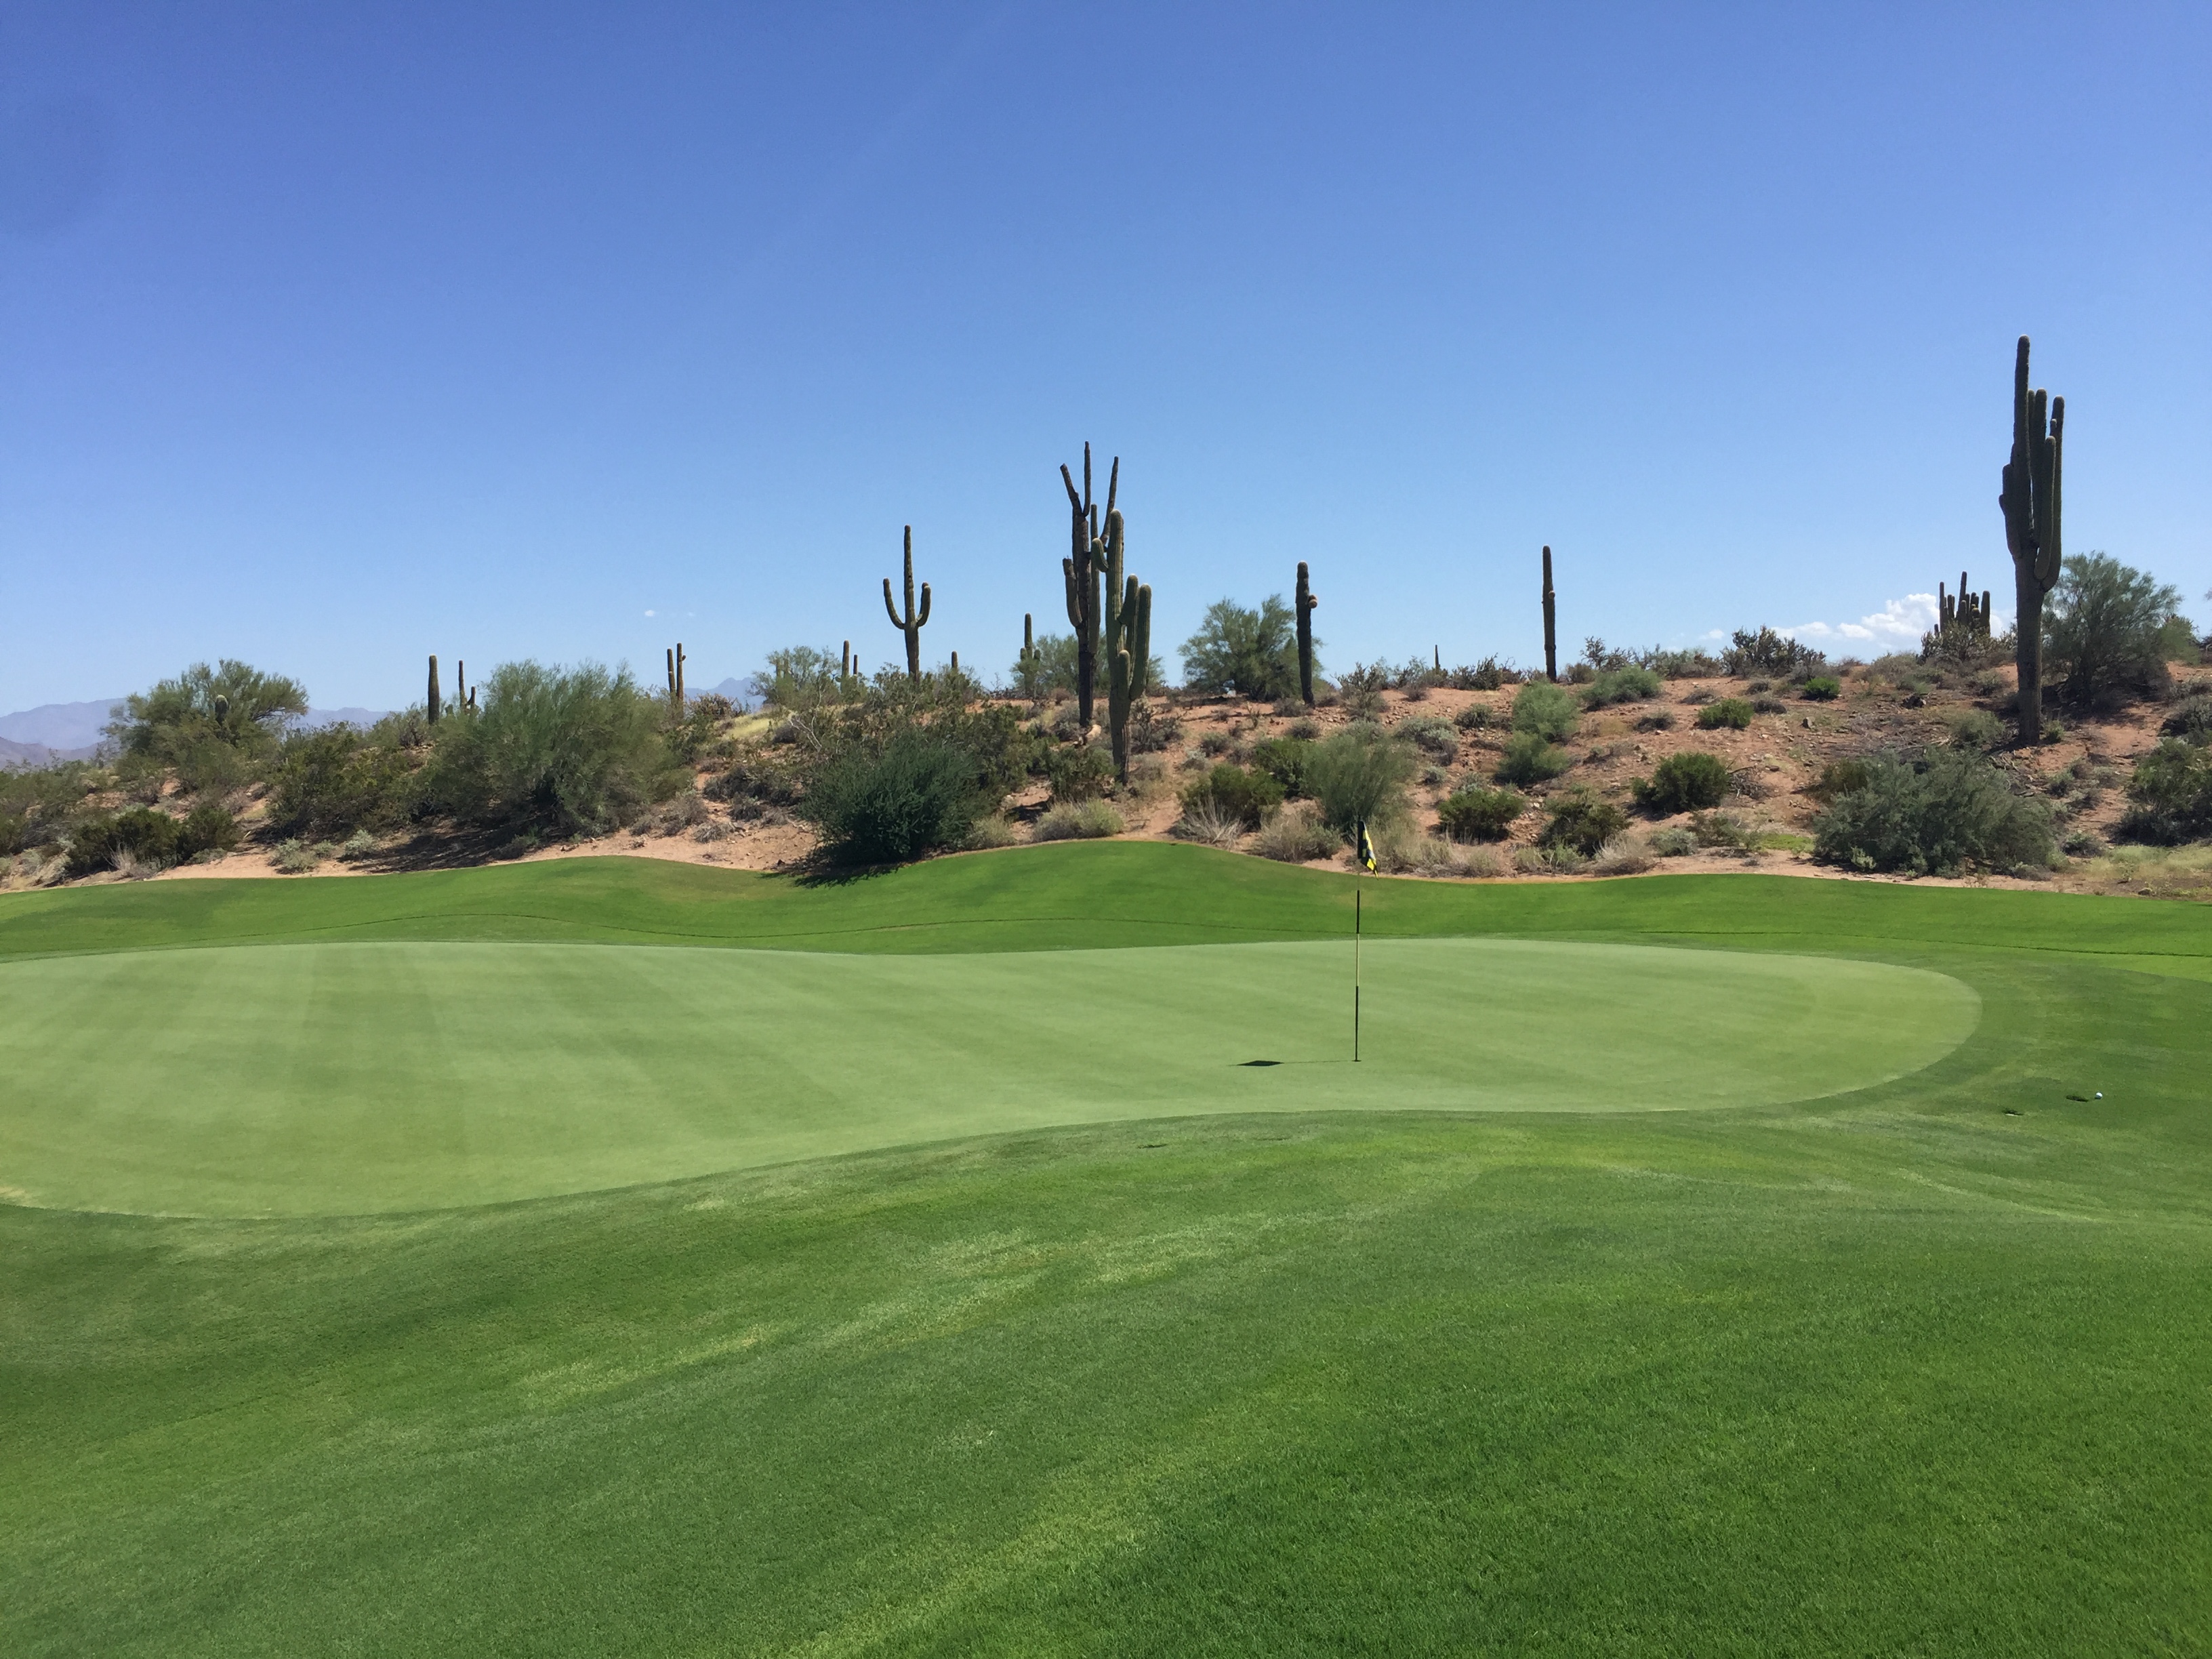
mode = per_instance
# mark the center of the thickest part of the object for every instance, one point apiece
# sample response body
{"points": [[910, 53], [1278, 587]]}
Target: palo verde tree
{"points": [[2029, 500], [911, 624]]}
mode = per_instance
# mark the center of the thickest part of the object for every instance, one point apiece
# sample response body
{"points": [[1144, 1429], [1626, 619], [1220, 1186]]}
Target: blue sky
{"points": [[331, 338]]}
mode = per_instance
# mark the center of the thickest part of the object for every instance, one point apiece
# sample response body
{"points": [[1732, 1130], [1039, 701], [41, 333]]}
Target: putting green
{"points": [[329, 1079]]}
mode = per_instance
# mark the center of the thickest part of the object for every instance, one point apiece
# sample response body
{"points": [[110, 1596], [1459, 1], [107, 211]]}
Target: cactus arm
{"points": [[1074, 594], [1113, 485], [1073, 499], [1141, 655], [922, 618], [1115, 621], [890, 610], [2048, 561]]}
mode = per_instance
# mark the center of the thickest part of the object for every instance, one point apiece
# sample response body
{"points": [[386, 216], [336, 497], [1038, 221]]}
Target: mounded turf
{"points": [[328, 1078], [1909, 1363]]}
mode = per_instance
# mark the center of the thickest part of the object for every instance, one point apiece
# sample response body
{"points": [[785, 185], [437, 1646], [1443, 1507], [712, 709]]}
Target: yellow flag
{"points": [[1366, 847]]}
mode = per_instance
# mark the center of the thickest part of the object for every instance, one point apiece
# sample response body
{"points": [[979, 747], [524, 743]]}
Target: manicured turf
{"points": [[327, 1079], [1918, 1365]]}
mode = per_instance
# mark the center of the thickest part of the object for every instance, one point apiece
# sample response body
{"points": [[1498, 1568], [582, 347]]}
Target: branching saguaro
{"points": [[1082, 568], [911, 624], [1128, 643], [1305, 606], [1964, 616], [1550, 623], [2029, 500]]}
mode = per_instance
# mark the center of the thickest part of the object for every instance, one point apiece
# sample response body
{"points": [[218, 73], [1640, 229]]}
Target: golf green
{"points": [[336, 1078]]}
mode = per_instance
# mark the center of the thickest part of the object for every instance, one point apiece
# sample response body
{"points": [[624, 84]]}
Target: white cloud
{"points": [[648, 613], [1897, 626]]}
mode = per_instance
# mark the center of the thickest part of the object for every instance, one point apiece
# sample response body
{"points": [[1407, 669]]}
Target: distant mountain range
{"points": [[71, 731]]}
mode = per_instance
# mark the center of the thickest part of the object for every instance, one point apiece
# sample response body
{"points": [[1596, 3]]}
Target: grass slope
{"points": [[1915, 1368]]}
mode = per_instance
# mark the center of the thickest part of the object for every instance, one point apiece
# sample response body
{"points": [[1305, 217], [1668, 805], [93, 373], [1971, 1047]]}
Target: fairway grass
{"points": [[1740, 1266], [330, 1078]]}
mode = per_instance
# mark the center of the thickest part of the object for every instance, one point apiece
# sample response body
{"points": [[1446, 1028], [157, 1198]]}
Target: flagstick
{"points": [[1355, 972]]}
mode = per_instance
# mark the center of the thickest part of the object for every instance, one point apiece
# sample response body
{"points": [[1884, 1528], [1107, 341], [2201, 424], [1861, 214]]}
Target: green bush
{"points": [[1251, 654], [2191, 721], [1078, 821], [1480, 814], [331, 782], [1431, 732], [1296, 835], [800, 679], [1674, 842], [211, 724], [1244, 796], [914, 793], [1950, 811], [1973, 728], [1582, 819], [1659, 719], [560, 750], [2105, 628], [1284, 760], [1629, 685], [1729, 711], [1545, 710], [208, 828], [1474, 717], [1769, 653], [1822, 688], [1078, 771], [1683, 783], [150, 837], [1359, 773], [2170, 795], [1529, 759]]}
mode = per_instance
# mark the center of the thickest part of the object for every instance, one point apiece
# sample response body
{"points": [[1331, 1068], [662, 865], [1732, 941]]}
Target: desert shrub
{"points": [[993, 829], [1529, 759], [1972, 728], [295, 857], [1152, 729], [1431, 732], [1557, 861], [211, 724], [1245, 796], [1674, 842], [1086, 820], [1402, 850], [1626, 683], [1480, 814], [1251, 654], [694, 736], [1949, 810], [1683, 783], [2191, 721], [1727, 711], [1821, 688], [1769, 653], [2105, 628], [1769, 705], [1659, 719], [38, 803], [2170, 795], [1840, 778], [560, 750], [1297, 835], [1305, 729], [799, 679], [1488, 675], [1581, 818], [208, 828], [1360, 691], [751, 784], [1546, 710], [331, 781], [1624, 855], [1215, 743], [1475, 717], [138, 833], [1078, 771], [915, 793], [1284, 760], [1723, 829], [1205, 821], [1359, 773], [1688, 664]]}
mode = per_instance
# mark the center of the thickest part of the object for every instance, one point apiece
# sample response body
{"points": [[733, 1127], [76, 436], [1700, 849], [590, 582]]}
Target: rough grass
{"points": [[1913, 1368]]}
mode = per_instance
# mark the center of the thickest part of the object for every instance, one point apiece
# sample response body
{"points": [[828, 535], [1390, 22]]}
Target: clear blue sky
{"points": [[330, 338]]}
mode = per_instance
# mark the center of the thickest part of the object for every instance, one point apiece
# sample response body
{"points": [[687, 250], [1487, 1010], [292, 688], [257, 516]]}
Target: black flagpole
{"points": [[1355, 972]]}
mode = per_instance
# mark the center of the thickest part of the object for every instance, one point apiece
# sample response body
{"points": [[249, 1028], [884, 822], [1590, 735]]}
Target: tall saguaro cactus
{"points": [[1129, 638], [1304, 607], [436, 708], [2029, 500], [676, 676], [1550, 623], [1086, 563], [911, 624]]}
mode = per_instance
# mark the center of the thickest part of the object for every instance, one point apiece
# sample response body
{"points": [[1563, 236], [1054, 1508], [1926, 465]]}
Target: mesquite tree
{"points": [[2029, 501]]}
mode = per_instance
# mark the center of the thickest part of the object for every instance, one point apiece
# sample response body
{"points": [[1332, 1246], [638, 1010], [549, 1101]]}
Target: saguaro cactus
{"points": [[845, 664], [1129, 638], [1082, 568], [2029, 500], [435, 708], [1550, 623], [1304, 607], [912, 622], [1965, 615]]}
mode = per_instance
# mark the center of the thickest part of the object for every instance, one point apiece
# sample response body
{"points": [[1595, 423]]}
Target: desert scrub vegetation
{"points": [[1683, 782], [1734, 712], [1528, 758], [1086, 820], [335, 781], [1581, 818], [1244, 652], [1480, 814], [1361, 772], [1948, 811], [140, 840], [211, 726], [1546, 711], [1821, 688], [1285, 759], [907, 767], [1431, 734], [1296, 835], [1628, 684], [2170, 796], [2111, 630], [1232, 791], [1768, 653]]}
